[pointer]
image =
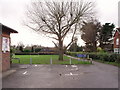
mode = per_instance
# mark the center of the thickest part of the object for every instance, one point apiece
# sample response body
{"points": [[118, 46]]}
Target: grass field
{"points": [[45, 59]]}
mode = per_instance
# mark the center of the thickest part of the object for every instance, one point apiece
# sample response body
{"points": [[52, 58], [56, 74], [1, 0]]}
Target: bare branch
{"points": [[72, 40], [55, 44], [59, 18]]}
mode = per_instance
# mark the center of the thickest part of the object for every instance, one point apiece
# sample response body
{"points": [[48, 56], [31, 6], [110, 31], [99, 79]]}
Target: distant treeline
{"points": [[39, 53]]}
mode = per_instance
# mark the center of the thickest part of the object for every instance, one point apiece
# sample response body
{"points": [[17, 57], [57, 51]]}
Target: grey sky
{"points": [[12, 14]]}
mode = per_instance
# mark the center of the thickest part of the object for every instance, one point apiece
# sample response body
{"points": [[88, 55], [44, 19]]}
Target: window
{"points": [[117, 41]]}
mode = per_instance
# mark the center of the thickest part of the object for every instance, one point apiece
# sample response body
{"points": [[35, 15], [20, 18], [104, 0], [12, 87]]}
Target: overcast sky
{"points": [[12, 14]]}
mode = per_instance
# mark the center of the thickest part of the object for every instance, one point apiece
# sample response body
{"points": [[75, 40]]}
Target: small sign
{"points": [[5, 44]]}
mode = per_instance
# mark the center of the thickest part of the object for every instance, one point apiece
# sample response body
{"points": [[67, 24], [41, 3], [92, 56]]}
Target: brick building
{"points": [[5, 46], [117, 41]]}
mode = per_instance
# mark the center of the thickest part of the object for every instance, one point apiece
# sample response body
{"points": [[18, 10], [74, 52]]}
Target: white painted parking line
{"points": [[36, 65], [25, 72], [75, 69], [73, 65], [71, 74]]}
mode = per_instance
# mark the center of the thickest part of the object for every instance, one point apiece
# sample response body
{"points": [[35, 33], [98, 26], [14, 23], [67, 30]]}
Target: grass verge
{"points": [[45, 59]]}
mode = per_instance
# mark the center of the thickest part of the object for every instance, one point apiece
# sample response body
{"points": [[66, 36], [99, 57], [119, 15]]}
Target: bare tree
{"points": [[20, 46], [59, 19]]}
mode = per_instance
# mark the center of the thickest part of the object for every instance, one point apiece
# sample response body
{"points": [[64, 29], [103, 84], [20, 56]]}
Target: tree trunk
{"points": [[95, 46], [101, 44], [60, 55], [61, 51]]}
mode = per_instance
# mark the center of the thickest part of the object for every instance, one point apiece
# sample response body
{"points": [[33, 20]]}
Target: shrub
{"points": [[99, 56], [118, 59], [37, 49], [99, 49], [27, 50], [115, 58], [94, 56], [105, 57], [12, 52], [34, 53]]}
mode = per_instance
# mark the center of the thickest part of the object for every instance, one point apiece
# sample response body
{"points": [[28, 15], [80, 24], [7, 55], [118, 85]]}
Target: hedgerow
{"points": [[110, 57]]}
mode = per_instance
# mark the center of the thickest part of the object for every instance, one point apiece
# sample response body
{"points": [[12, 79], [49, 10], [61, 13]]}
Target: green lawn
{"points": [[45, 59]]}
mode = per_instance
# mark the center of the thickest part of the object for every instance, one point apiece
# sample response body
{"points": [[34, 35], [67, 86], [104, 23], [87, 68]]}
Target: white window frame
{"points": [[117, 41]]}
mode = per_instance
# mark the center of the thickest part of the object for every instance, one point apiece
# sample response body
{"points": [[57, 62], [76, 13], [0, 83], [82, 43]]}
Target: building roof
{"points": [[4, 27], [117, 30]]}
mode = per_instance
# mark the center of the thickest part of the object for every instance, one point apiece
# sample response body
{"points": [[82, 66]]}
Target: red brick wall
{"points": [[5, 61], [5, 56], [117, 35]]}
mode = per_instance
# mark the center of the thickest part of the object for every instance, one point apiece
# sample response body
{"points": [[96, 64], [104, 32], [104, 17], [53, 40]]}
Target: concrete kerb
{"points": [[8, 72], [12, 70]]}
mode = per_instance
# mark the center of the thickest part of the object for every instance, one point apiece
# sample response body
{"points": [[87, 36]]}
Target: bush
{"points": [[37, 49], [12, 52], [99, 49], [99, 56], [27, 50], [115, 58], [94, 56], [105, 57], [34, 53], [118, 59]]}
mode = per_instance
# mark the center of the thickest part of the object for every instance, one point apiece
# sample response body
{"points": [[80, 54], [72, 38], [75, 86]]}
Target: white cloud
{"points": [[12, 13], [108, 11]]}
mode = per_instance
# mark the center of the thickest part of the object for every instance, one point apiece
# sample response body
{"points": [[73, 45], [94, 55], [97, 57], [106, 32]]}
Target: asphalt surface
{"points": [[63, 76]]}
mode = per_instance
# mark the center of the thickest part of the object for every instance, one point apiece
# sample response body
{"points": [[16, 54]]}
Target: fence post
{"points": [[88, 56], [91, 60], [31, 61]]}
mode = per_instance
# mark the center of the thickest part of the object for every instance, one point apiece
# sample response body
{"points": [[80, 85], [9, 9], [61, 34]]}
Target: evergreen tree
{"points": [[106, 34]]}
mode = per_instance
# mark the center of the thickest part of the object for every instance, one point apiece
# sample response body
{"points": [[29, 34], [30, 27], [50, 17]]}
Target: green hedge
{"points": [[105, 57], [110, 57], [35, 53]]}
